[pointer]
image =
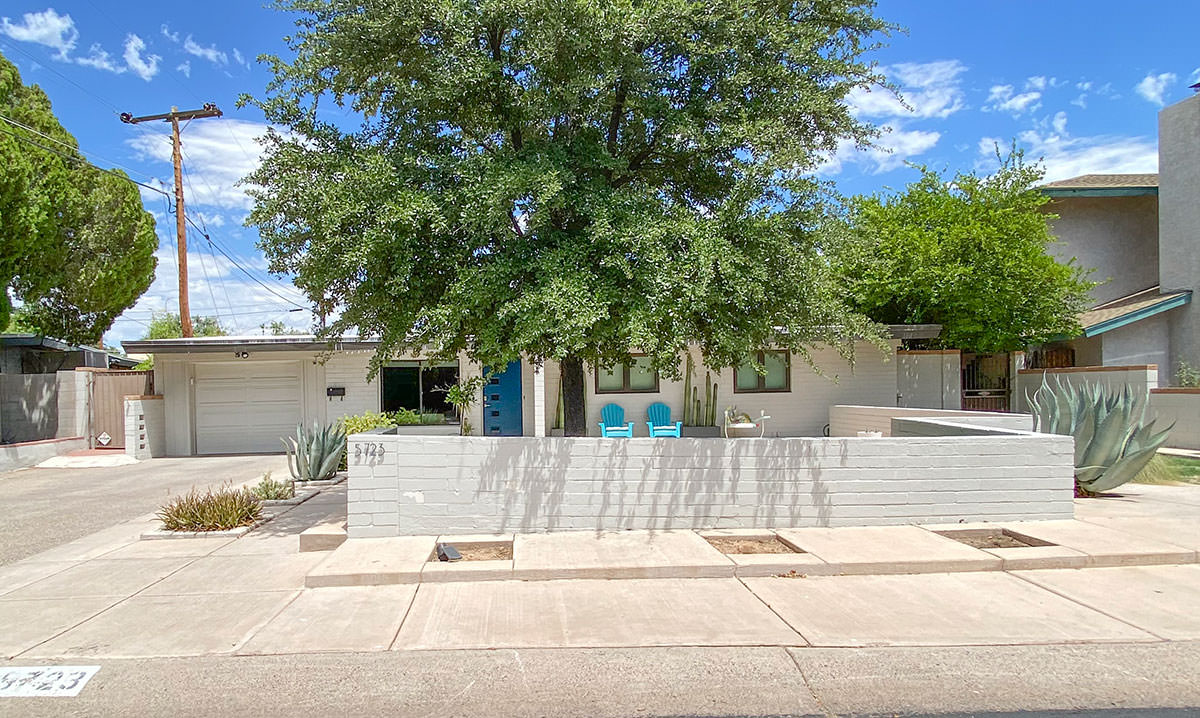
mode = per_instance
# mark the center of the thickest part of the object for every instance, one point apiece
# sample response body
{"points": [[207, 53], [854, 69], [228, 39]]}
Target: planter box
{"points": [[428, 430], [701, 432]]}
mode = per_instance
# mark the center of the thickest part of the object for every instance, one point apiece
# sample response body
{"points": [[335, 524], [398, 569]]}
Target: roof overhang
{"points": [[308, 342], [205, 345], [1061, 192], [1127, 310]]}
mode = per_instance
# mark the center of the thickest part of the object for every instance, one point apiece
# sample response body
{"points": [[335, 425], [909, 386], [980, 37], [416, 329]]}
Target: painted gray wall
{"points": [[1179, 222], [1147, 341], [489, 485], [1115, 236]]}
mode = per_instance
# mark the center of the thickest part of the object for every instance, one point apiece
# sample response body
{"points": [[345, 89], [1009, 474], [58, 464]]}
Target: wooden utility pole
{"points": [[174, 116]]}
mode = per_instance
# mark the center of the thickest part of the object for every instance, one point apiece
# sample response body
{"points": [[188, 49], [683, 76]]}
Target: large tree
{"points": [[165, 325], [967, 252], [76, 246], [566, 179]]}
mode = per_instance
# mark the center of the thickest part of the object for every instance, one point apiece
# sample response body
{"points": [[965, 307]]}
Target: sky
{"points": [[1076, 84]]}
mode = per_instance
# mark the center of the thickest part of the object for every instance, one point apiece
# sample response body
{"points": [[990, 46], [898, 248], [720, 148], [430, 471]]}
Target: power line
{"points": [[239, 266], [69, 146], [85, 161]]}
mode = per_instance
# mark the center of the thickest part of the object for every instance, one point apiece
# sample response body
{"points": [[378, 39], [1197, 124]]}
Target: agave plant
{"points": [[314, 455], [1113, 440]]}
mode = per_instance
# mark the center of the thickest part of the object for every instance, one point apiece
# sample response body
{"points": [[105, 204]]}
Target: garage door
{"points": [[245, 407]]}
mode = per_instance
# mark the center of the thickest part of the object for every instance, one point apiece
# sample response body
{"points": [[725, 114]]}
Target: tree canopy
{"points": [[968, 253], [166, 325], [569, 180], [76, 246]]}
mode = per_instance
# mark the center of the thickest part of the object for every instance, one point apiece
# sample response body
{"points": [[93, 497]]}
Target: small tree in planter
{"points": [[463, 396]]}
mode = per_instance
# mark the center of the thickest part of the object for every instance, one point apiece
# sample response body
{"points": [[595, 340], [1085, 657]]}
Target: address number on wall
{"points": [[368, 452]]}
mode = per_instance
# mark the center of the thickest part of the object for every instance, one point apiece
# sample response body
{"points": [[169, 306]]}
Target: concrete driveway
{"points": [[43, 508]]}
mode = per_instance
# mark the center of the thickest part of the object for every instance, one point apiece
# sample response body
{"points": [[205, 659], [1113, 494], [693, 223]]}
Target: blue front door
{"points": [[502, 402]]}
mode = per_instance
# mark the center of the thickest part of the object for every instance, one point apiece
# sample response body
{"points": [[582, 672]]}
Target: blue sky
{"points": [[1076, 83]]}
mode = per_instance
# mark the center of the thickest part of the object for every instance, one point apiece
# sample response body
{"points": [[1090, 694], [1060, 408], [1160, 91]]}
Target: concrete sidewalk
{"points": [[112, 596]]}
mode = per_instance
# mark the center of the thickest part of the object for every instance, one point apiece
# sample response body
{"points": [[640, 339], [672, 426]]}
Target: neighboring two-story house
{"points": [[1141, 235]]}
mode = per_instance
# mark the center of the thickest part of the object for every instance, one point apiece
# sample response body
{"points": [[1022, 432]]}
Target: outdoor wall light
{"points": [[241, 355]]}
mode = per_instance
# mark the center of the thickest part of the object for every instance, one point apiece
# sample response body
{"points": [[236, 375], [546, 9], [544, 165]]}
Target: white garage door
{"points": [[244, 407]]}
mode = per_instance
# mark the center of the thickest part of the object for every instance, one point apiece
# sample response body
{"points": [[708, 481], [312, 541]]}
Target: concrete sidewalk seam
{"points": [[111, 607], [254, 630], [408, 609], [807, 643], [1015, 574]]}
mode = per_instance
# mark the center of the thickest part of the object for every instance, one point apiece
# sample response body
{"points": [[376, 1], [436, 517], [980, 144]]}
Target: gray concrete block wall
{"points": [[145, 428], [482, 485], [28, 407], [847, 420]]}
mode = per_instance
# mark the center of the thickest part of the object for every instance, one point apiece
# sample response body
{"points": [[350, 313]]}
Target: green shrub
{"points": [[1189, 375], [433, 419], [218, 510], [366, 421], [405, 417], [271, 490]]}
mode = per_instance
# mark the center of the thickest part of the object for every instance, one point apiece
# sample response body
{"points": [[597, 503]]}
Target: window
{"points": [[746, 378], [417, 386], [635, 377]]}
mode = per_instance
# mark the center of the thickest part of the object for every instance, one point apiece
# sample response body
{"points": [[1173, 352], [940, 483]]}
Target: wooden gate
{"points": [[109, 389], [986, 383]]}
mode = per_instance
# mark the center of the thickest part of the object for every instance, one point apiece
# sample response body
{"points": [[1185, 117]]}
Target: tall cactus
{"points": [[688, 418], [1113, 440], [712, 407]]}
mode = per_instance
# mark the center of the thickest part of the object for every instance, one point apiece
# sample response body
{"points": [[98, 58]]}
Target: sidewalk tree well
{"points": [[563, 180], [76, 245], [968, 253]]}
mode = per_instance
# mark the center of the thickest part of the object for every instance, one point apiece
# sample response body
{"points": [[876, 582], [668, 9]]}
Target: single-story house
{"points": [[31, 354], [241, 394]]}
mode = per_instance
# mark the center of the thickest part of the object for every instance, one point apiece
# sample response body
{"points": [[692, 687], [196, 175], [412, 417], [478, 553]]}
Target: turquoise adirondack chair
{"points": [[659, 415], [613, 423]]}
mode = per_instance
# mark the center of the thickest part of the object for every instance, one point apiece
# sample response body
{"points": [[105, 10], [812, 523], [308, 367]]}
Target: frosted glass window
{"points": [[777, 378], [610, 379]]}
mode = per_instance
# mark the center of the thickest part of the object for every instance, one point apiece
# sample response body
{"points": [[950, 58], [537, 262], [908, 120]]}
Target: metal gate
{"points": [[109, 389], [986, 383]]}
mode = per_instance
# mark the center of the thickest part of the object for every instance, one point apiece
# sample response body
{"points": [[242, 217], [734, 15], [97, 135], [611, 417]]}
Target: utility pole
{"points": [[174, 116]]}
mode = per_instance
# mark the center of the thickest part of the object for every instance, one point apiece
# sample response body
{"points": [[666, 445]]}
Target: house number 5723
{"points": [[367, 452]]}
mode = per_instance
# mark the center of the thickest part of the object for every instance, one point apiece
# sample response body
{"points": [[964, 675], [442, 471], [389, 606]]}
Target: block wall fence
{"points": [[402, 485]]}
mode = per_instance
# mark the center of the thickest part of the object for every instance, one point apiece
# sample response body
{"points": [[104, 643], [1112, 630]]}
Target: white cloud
{"points": [[218, 153], [212, 54], [144, 67], [1065, 156], [166, 32], [46, 28], [930, 89], [1002, 98], [99, 58], [185, 67], [1195, 76], [890, 152], [1152, 86], [240, 59], [1060, 123]]}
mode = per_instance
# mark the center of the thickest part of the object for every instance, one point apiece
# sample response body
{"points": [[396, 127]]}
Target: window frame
{"points": [[625, 383], [761, 387]]}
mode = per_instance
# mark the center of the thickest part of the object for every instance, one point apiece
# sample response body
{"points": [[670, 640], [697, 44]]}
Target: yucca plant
{"points": [[314, 455], [1113, 440]]}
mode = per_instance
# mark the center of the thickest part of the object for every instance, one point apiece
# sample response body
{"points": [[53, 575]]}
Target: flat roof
{"points": [[309, 342], [1104, 185]]}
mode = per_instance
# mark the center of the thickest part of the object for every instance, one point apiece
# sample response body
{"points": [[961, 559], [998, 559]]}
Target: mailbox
{"points": [[332, 391]]}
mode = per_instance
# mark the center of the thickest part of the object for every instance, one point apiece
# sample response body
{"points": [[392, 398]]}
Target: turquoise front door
{"points": [[502, 402]]}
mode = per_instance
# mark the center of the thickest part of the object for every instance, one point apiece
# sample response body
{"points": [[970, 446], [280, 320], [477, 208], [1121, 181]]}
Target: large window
{"points": [[417, 386], [635, 377], [746, 378]]}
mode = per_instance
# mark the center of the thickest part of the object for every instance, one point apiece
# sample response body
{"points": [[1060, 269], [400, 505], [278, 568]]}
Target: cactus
{"points": [[559, 410], [1113, 440], [712, 407], [688, 418], [313, 456]]}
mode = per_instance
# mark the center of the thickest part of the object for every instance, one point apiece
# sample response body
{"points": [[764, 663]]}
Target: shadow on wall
{"points": [[614, 484], [28, 407]]}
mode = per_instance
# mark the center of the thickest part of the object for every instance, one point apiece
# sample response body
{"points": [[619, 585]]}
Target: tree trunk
{"points": [[574, 418]]}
